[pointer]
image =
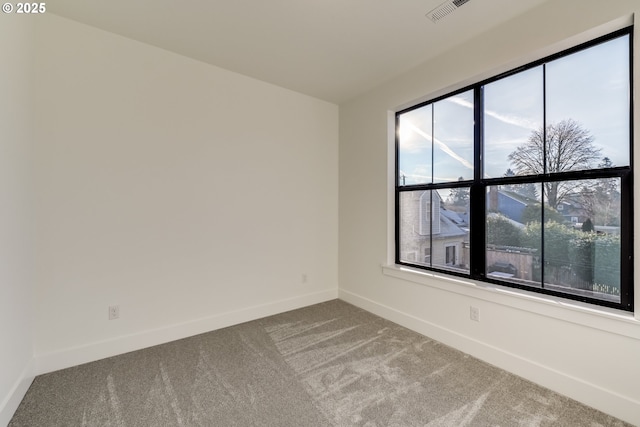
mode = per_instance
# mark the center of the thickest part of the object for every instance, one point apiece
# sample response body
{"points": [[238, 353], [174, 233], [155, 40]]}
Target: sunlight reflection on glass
{"points": [[414, 141]]}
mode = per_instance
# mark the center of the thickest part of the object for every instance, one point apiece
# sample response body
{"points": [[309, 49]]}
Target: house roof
{"points": [[451, 224], [515, 223], [518, 197]]}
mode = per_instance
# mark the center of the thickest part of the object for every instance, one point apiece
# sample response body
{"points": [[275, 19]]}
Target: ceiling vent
{"points": [[445, 9]]}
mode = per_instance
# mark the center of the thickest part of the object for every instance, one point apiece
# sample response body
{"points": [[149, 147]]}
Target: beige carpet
{"points": [[330, 364]]}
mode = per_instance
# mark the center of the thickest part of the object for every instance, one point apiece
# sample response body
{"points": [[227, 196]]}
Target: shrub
{"points": [[557, 240], [501, 231], [532, 214]]}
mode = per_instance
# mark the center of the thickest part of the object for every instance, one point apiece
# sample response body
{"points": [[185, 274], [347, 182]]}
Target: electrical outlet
{"points": [[474, 313], [114, 312]]}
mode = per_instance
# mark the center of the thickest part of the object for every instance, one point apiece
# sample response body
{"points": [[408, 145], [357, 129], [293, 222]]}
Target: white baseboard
{"points": [[16, 394], [69, 357], [587, 393]]}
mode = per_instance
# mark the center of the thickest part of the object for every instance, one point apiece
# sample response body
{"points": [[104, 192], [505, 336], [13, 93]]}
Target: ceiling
{"points": [[330, 49]]}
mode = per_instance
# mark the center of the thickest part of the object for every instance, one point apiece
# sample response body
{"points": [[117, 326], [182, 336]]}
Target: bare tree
{"points": [[568, 147]]}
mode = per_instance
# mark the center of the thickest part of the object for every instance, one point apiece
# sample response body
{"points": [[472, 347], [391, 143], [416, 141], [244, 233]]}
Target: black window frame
{"points": [[479, 184]]}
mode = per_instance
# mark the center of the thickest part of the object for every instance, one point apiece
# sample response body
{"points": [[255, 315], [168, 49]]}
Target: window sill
{"points": [[602, 318]]}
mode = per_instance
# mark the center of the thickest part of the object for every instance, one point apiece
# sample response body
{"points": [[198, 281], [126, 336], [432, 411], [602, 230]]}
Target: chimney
{"points": [[493, 199]]}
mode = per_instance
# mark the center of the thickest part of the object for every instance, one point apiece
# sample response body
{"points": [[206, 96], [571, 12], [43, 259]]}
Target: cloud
{"points": [[513, 120], [504, 118]]}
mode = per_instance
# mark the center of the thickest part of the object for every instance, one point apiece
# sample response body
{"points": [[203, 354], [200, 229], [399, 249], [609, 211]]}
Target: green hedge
{"points": [[593, 258], [501, 231]]}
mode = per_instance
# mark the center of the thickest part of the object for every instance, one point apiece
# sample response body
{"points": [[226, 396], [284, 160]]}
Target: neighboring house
{"points": [[576, 213], [573, 211], [508, 203], [440, 242]]}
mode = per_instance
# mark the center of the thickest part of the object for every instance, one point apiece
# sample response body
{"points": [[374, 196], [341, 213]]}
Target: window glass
{"points": [[514, 237], [453, 138], [591, 89], [450, 245], [415, 227], [582, 242], [513, 112], [434, 230], [415, 148]]}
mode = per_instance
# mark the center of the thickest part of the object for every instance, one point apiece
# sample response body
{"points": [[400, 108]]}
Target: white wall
{"points": [[190, 196], [16, 350], [590, 355]]}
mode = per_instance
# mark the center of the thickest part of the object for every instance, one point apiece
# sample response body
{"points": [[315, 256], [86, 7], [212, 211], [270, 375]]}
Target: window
{"points": [[450, 255], [524, 180]]}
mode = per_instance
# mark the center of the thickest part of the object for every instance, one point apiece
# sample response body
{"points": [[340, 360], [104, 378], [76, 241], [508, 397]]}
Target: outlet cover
{"points": [[114, 312], [474, 313]]}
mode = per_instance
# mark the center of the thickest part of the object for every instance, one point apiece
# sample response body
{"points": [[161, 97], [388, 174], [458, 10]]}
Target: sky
{"points": [[591, 87]]}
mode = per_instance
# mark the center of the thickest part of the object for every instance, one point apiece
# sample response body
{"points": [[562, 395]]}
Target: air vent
{"points": [[445, 9]]}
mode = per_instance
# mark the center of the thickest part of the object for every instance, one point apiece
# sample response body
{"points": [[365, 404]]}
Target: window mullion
{"points": [[478, 194], [544, 171], [626, 250]]}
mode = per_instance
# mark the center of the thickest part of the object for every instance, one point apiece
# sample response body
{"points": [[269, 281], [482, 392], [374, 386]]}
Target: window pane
{"points": [[414, 140], [513, 110], [591, 89], [453, 138], [513, 230], [450, 240], [582, 239], [415, 227], [434, 228]]}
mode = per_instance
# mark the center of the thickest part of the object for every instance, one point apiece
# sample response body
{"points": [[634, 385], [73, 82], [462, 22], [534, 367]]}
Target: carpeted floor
{"points": [[330, 364]]}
